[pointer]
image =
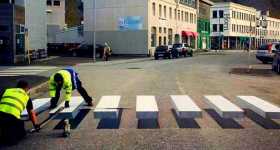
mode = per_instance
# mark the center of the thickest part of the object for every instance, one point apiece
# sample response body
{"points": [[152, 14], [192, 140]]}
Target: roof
{"points": [[208, 2]]}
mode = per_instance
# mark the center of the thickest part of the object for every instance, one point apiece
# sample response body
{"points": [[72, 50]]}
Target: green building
{"points": [[203, 24]]}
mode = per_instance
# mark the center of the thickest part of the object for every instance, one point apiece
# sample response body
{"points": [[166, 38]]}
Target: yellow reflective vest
{"points": [[14, 101], [67, 85]]}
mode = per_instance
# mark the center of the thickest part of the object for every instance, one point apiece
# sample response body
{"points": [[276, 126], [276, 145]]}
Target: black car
{"points": [[85, 50], [162, 52]]}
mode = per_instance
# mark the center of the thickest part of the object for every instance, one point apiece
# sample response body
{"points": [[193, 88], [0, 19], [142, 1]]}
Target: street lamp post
{"points": [[94, 32]]}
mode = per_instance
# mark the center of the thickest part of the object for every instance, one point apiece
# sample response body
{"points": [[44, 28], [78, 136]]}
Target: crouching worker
{"points": [[68, 80], [12, 102]]}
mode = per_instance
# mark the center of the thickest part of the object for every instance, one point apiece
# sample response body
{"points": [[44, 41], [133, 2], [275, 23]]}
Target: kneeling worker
{"points": [[12, 102], [68, 80]]}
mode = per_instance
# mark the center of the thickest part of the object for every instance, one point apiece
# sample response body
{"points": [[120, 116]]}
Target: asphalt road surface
{"points": [[223, 74]]}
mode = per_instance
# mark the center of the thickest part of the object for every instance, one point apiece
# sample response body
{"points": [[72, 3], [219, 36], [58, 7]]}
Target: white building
{"points": [[233, 25], [55, 18], [138, 26], [36, 24]]}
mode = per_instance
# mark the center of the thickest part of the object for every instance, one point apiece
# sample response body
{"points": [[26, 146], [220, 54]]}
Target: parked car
{"points": [[181, 49], [276, 62], [266, 52], [85, 50], [162, 52]]}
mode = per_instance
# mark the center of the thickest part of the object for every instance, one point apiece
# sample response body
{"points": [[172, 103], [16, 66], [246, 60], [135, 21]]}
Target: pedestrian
{"points": [[67, 80], [107, 52], [13, 101]]}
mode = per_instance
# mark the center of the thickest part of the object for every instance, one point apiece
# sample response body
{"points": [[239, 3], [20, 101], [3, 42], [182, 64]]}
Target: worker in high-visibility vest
{"points": [[68, 80], [12, 102]]}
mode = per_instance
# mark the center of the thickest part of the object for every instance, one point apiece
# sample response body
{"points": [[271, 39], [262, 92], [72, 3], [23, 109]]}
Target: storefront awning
{"points": [[187, 33], [195, 34]]}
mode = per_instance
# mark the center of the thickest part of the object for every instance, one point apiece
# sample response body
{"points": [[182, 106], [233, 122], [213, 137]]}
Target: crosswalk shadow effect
{"points": [[225, 123], [263, 122], [148, 124], [110, 123], [184, 122], [73, 122]]}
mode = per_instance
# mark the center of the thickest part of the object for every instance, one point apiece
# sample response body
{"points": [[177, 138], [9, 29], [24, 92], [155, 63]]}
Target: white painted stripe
{"points": [[20, 71], [224, 107], [146, 107], [260, 106], [185, 107], [107, 107]]}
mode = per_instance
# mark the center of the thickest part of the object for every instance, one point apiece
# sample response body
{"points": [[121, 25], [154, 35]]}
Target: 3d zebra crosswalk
{"points": [[146, 107], [23, 70]]}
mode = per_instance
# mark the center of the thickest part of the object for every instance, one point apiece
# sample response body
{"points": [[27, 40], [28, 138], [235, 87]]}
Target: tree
{"points": [[72, 13]]}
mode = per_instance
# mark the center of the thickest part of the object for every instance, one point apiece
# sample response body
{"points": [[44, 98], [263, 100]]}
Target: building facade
{"points": [[55, 18], [233, 26], [138, 26], [22, 28], [203, 24]]}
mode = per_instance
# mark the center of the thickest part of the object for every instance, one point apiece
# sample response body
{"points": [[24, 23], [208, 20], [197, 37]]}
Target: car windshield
{"points": [[263, 47], [177, 45], [162, 48]]}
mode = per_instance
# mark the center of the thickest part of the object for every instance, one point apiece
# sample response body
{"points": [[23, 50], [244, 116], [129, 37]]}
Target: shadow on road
{"points": [[185, 123], [252, 72], [110, 123], [73, 122], [263, 122], [224, 122], [148, 124]]}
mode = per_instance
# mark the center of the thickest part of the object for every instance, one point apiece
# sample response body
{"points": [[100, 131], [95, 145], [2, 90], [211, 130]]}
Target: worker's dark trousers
{"points": [[11, 129], [80, 89]]}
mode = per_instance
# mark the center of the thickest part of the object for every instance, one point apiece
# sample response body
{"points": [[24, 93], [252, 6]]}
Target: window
{"points": [[170, 13], [164, 40], [164, 11], [191, 17], [214, 27], [187, 17], [160, 41], [154, 37], [194, 21], [221, 28], [160, 30], [221, 14], [4, 28], [49, 2], [179, 16], [170, 36], [182, 15], [164, 30], [56, 3], [154, 9], [214, 14], [160, 11], [233, 28], [233, 14], [175, 14]]}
